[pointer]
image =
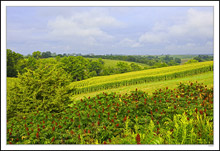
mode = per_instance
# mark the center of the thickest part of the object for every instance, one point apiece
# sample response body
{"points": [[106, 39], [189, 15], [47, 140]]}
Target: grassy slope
{"points": [[206, 78], [100, 80], [113, 63]]}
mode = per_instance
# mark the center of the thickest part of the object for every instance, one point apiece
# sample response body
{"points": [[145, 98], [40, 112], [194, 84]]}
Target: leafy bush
{"points": [[43, 89]]}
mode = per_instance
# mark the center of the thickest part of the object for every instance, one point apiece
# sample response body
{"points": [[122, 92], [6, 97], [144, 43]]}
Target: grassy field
{"points": [[144, 76], [206, 78], [113, 63]]}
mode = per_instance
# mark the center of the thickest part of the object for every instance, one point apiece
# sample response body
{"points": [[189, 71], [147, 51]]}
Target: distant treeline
{"points": [[78, 67], [149, 60], [81, 67]]}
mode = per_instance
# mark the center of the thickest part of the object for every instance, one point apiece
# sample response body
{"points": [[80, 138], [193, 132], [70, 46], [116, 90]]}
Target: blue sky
{"points": [[111, 30]]}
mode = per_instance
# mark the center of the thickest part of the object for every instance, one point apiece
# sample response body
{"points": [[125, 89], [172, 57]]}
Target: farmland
{"points": [[205, 78], [132, 78]]}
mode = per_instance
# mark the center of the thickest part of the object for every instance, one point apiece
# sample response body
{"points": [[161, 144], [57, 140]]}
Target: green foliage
{"points": [[201, 58], [12, 63], [123, 67], [191, 61], [37, 54], [179, 116], [76, 66], [43, 89], [135, 67]]}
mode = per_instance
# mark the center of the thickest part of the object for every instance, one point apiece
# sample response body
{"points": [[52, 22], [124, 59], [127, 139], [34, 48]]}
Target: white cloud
{"points": [[128, 43], [153, 37], [89, 26]]}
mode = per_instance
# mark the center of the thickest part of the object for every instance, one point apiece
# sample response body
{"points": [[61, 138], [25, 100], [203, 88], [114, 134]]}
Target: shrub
{"points": [[43, 89]]}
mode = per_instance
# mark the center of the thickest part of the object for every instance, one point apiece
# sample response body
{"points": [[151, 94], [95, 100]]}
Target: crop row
{"points": [[108, 117], [132, 78]]}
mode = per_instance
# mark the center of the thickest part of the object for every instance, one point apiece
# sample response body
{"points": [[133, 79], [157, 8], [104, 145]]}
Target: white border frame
{"points": [[215, 4]]}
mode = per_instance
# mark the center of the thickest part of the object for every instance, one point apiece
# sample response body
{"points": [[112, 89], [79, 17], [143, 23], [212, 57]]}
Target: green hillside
{"points": [[113, 63], [205, 78], [144, 76]]}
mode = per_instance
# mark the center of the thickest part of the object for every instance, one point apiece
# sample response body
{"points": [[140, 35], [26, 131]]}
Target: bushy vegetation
{"points": [[180, 116], [43, 89]]}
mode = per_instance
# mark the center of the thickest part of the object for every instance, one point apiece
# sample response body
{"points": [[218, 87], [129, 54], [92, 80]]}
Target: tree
{"points": [[76, 66], [96, 66], [123, 67], [36, 54], [47, 54], [12, 63], [135, 67]]}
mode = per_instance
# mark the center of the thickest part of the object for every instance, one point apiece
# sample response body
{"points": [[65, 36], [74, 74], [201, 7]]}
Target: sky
{"points": [[111, 30]]}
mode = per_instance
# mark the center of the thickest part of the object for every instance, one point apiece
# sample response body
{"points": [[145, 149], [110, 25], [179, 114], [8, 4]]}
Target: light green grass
{"points": [[113, 63], [205, 78], [140, 76]]}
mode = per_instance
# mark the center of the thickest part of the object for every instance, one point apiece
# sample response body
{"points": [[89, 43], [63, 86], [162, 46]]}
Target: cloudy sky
{"points": [[111, 30]]}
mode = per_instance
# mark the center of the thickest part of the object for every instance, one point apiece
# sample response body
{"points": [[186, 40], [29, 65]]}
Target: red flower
{"points": [[43, 121], [53, 128], [105, 142], [196, 110], [98, 122], [79, 126], [112, 121], [103, 110], [99, 115], [156, 110], [52, 139], [201, 112], [60, 126], [37, 135], [72, 132], [27, 128], [138, 139], [125, 118], [151, 112], [10, 142], [78, 136], [109, 140], [117, 125], [38, 129], [88, 131]]}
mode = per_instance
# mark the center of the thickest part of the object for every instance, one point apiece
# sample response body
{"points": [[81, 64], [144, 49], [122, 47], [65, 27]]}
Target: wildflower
{"points": [[138, 139], [125, 118], [37, 135], [52, 139], [117, 125], [53, 128]]}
